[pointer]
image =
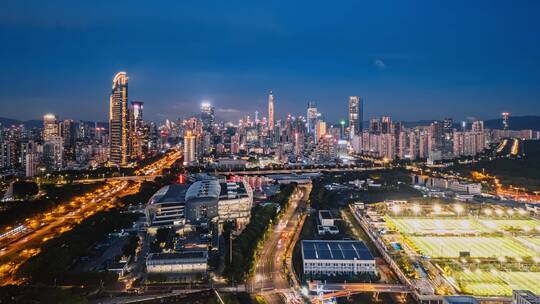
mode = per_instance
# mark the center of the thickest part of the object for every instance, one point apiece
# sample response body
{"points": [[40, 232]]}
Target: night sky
{"points": [[409, 59]]}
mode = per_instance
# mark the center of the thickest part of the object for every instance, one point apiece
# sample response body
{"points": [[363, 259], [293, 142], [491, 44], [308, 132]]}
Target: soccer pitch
{"points": [[498, 283], [408, 225], [437, 226], [479, 247], [525, 225]]}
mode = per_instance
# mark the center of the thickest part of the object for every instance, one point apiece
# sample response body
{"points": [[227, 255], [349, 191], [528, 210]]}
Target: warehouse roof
{"points": [[335, 250]]}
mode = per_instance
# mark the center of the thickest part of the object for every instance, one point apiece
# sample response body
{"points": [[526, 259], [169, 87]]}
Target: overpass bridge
{"points": [[327, 291]]}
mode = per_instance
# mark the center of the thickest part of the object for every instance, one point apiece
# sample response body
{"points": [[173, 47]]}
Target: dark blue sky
{"points": [[408, 59]]}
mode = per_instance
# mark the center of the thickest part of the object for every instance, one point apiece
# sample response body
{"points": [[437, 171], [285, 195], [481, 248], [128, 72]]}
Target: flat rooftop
{"points": [[325, 214], [335, 250], [192, 254]]}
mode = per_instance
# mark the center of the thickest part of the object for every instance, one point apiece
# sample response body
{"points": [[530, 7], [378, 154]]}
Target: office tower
{"points": [[311, 118], [320, 129], [190, 148], [207, 115], [505, 117], [50, 126], [436, 138], [448, 137], [137, 130], [119, 126], [355, 115], [271, 111], [386, 125]]}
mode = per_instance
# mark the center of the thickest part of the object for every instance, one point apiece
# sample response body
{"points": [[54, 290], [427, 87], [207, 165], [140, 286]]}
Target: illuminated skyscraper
{"points": [[138, 130], [355, 115], [50, 127], [190, 146], [207, 115], [505, 116], [119, 127], [271, 111], [311, 118]]}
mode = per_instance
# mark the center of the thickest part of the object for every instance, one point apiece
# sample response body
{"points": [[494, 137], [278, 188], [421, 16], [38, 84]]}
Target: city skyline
{"points": [[472, 61]]}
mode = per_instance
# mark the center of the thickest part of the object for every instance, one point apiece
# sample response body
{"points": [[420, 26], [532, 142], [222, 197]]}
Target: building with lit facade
{"points": [[119, 125], [355, 115], [271, 121]]}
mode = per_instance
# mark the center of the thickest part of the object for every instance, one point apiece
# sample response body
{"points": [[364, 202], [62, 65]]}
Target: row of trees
{"points": [[246, 244]]}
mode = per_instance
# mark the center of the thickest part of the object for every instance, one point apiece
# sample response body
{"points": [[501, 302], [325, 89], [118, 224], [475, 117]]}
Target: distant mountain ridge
{"points": [[34, 123]]}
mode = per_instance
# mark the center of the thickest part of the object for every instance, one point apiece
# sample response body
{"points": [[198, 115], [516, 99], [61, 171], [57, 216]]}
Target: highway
{"points": [[64, 217], [269, 275]]}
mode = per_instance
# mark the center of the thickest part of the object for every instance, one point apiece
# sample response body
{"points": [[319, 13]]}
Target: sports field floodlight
{"points": [[458, 208], [488, 212], [510, 212], [416, 209], [396, 209], [501, 259], [499, 212], [522, 212], [437, 208]]}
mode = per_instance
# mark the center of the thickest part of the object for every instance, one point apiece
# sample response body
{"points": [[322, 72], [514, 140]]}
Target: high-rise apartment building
{"points": [[190, 148], [119, 126], [271, 121]]}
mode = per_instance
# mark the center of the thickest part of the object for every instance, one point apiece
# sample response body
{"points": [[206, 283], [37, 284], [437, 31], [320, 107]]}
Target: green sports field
{"points": [[480, 247], [486, 283], [499, 225], [465, 225], [437, 226]]}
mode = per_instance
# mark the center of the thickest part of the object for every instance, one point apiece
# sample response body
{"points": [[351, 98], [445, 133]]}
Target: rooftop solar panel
{"points": [[335, 250]]}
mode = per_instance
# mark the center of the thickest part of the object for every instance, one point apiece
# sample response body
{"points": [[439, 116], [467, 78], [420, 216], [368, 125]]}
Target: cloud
{"points": [[378, 63], [228, 110]]}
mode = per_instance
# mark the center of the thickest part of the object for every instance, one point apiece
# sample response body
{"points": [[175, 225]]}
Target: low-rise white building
{"points": [[325, 218], [184, 262], [322, 257]]}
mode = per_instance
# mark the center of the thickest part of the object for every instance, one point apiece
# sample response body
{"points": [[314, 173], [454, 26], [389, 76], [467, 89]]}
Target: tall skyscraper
{"points": [[355, 115], [190, 146], [50, 127], [271, 111], [119, 127], [311, 118], [138, 130], [207, 115], [505, 117]]}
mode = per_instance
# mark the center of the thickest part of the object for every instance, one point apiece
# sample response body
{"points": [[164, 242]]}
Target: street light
{"points": [[416, 209], [396, 209], [459, 209]]}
